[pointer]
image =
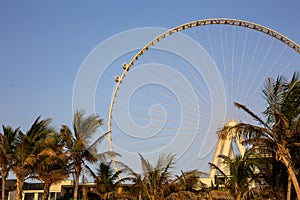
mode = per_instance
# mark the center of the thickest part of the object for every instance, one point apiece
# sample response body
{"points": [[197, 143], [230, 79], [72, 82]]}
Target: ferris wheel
{"points": [[178, 90]]}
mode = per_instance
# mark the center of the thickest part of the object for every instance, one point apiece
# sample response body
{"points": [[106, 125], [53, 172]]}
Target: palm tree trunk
{"points": [[237, 191], [4, 176], [289, 187], [20, 182], [291, 173], [84, 193], [76, 183], [3, 188], [46, 191]]}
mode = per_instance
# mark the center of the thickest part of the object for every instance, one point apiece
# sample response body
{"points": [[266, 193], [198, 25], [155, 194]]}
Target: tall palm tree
{"points": [[78, 145], [51, 164], [280, 132], [28, 146], [7, 147]]}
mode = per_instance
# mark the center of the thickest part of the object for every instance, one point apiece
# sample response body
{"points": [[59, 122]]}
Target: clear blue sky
{"points": [[43, 43]]}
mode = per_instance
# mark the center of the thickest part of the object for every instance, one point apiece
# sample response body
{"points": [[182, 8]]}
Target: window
{"points": [[40, 196], [52, 196], [29, 196]]}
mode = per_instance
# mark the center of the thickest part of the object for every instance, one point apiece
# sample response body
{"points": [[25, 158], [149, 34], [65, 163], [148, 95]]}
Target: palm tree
{"points": [[28, 146], [106, 179], [186, 186], [137, 185], [51, 164], [280, 132], [7, 147], [78, 144], [274, 174], [156, 178], [239, 172], [189, 181]]}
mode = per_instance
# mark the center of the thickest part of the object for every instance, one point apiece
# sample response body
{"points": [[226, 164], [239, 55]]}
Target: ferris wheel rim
{"points": [[205, 22]]}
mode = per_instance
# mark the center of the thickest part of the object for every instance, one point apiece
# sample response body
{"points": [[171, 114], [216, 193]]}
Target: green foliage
{"points": [[78, 147], [106, 178], [156, 178], [7, 148], [239, 172], [280, 132]]}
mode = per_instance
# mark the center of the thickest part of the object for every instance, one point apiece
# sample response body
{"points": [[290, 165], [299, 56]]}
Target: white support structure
{"points": [[224, 147]]}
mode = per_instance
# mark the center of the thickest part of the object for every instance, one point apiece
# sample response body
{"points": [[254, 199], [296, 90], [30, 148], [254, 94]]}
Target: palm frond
{"points": [[258, 192], [89, 171], [67, 137], [146, 166], [98, 141], [104, 155], [88, 156], [85, 127], [251, 114], [10, 134], [47, 152], [216, 167]]}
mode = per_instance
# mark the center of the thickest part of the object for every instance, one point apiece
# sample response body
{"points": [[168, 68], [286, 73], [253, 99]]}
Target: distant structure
{"points": [[34, 191], [225, 146]]}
